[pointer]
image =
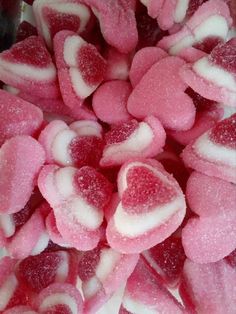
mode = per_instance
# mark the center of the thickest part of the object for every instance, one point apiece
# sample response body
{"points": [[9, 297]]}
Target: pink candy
{"points": [[54, 16], [17, 117], [152, 207], [132, 140], [213, 153], [170, 105], [25, 156], [27, 65], [78, 205], [211, 236]]}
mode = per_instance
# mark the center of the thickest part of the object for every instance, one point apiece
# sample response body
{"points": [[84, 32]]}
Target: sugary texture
{"points": [[167, 260], [117, 22], [133, 139], [20, 309], [171, 14], [17, 117], [21, 158], [110, 101], [34, 236], [214, 153], [38, 272], [210, 287], [59, 298], [152, 207], [28, 66], [78, 205], [102, 272], [211, 236], [10, 289], [80, 66], [142, 61], [172, 106], [57, 106], [67, 146], [214, 76], [210, 21], [144, 293], [118, 64], [55, 15], [208, 114]]}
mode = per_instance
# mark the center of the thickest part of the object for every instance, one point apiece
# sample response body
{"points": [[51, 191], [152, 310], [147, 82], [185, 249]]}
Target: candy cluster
{"points": [[118, 159]]}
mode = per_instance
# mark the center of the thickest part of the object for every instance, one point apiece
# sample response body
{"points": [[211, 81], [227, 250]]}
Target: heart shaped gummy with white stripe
{"points": [[210, 21], [214, 152], [152, 207], [81, 68], [55, 15], [78, 144], [133, 139], [78, 205], [28, 66], [214, 76]]}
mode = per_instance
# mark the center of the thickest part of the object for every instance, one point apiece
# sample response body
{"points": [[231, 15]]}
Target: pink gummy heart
{"points": [[108, 279], [21, 158], [17, 117], [211, 236], [81, 68], [209, 287], [117, 22], [59, 298], [151, 208], [54, 16], [27, 65], [133, 139], [110, 102], [213, 153], [214, 76], [171, 105], [143, 290]]}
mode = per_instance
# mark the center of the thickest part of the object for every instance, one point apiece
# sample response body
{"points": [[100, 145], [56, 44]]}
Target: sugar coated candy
{"points": [[152, 207]]}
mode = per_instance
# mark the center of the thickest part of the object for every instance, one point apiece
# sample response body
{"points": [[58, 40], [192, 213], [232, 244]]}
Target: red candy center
{"points": [[37, 272], [224, 133], [170, 256], [121, 132], [91, 64], [58, 21], [224, 55], [145, 191], [86, 150], [59, 309], [31, 51], [93, 187]]}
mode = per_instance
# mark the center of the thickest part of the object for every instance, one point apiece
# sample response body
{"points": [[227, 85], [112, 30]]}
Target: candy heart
{"points": [[210, 287], [214, 152], [152, 207], [170, 105], [55, 15], [117, 22], [102, 272], [143, 290], [214, 76], [142, 61], [21, 158], [210, 21], [132, 139], [110, 101], [27, 65], [59, 298], [17, 117], [81, 68], [210, 237]]}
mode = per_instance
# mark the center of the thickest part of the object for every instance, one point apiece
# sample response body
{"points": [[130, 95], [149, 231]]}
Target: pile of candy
{"points": [[118, 159]]}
